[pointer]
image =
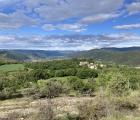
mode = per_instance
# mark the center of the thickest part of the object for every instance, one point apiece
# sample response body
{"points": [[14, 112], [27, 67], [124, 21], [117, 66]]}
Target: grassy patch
{"points": [[11, 67]]}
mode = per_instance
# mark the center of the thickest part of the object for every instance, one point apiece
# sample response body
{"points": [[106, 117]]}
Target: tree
{"points": [[59, 73], [87, 73], [119, 85], [50, 89], [39, 74], [70, 72]]}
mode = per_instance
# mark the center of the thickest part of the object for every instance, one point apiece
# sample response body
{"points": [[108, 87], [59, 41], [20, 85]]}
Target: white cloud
{"points": [[133, 8], [67, 27], [98, 18], [15, 20], [127, 27], [73, 42], [49, 12], [4, 39], [58, 10]]}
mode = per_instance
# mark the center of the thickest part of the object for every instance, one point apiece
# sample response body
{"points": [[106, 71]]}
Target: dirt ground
{"points": [[27, 107]]}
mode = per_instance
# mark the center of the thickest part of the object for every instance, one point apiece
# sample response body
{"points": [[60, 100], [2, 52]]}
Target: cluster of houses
{"points": [[92, 65]]}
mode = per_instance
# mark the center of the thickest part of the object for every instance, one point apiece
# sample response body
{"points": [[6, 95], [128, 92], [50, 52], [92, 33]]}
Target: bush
{"points": [[32, 91], [8, 93], [39, 74], [82, 86], [134, 82], [126, 105], [87, 73], [70, 72], [92, 111], [50, 89], [119, 85], [2, 83], [59, 73], [45, 112]]}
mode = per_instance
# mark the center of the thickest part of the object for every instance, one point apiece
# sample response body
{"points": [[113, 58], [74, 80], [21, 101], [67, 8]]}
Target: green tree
{"points": [[119, 85], [59, 73], [87, 73]]}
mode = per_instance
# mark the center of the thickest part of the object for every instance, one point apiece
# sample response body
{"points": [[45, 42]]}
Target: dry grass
{"points": [[28, 109], [101, 107]]}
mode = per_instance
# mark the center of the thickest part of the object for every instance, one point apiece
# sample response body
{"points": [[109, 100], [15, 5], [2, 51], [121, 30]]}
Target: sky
{"points": [[69, 24]]}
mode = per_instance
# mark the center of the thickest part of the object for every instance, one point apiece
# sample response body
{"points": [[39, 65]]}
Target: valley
{"points": [[69, 89], [125, 56]]}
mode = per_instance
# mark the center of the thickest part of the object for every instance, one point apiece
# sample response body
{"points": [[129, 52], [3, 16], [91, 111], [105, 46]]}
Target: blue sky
{"points": [[33, 24]]}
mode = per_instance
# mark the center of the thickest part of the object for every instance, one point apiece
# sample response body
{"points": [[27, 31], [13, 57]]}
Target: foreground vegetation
{"points": [[11, 67], [112, 92]]}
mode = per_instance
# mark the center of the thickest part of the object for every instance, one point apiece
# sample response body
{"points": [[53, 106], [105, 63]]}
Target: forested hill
{"points": [[129, 56], [29, 55]]}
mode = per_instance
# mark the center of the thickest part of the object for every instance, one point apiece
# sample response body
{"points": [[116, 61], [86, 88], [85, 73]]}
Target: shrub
{"points": [[83, 86], [59, 73], [91, 111], [119, 85], [105, 76], [39, 74], [50, 89], [87, 73], [32, 91], [2, 83], [8, 93], [45, 112], [70, 72], [134, 82], [65, 72], [125, 104]]}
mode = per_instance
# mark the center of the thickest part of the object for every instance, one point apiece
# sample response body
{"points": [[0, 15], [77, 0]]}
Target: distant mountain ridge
{"points": [[123, 49], [130, 55], [29, 55]]}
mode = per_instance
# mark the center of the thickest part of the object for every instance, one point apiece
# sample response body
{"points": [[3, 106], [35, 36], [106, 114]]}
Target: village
{"points": [[92, 65]]}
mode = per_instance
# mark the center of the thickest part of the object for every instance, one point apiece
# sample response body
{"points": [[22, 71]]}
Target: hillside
{"points": [[30, 55], [129, 56], [65, 90]]}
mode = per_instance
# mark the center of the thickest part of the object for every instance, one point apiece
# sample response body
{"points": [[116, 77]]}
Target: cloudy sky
{"points": [[69, 24]]}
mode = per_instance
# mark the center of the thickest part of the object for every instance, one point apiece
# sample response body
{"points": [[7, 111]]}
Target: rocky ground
{"points": [[27, 107]]}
